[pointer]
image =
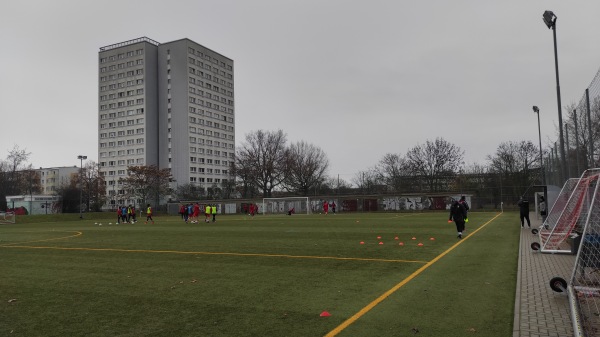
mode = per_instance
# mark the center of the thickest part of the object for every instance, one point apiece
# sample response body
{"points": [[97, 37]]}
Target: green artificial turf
{"points": [[257, 276]]}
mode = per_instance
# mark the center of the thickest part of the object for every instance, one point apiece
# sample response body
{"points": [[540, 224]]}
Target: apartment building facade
{"points": [[165, 104], [53, 178]]}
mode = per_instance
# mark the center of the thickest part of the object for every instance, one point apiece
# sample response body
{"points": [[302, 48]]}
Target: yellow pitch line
{"points": [[44, 240], [385, 295], [214, 253]]}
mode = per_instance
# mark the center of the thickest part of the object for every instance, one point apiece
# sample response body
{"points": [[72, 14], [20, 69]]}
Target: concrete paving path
{"points": [[539, 311]]}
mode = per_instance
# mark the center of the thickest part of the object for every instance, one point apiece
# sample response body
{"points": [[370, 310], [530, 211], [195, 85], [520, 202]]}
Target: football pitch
{"points": [[377, 274]]}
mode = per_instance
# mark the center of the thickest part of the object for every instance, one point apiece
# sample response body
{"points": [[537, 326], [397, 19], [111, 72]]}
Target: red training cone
{"points": [[420, 244], [380, 242], [396, 238], [362, 242], [325, 314]]}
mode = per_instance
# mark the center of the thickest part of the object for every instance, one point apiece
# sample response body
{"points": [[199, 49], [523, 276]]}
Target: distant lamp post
{"points": [[81, 158], [550, 21], [537, 111]]}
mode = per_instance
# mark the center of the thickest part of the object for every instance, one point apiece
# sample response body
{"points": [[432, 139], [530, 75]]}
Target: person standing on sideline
{"points": [[213, 210], [207, 213], [333, 207], [463, 201], [458, 213], [524, 211], [543, 211], [325, 207], [149, 214], [119, 214]]}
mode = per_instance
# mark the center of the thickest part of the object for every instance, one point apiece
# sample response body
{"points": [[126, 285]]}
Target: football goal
{"points": [[290, 205], [583, 289], [568, 213], [7, 217]]}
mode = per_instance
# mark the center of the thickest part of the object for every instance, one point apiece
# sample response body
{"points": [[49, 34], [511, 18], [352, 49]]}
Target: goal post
{"points": [[289, 205], [7, 217]]}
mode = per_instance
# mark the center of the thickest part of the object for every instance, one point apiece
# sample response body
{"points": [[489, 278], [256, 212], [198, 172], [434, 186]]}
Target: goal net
{"points": [[584, 288], [291, 205], [567, 217], [7, 217]]}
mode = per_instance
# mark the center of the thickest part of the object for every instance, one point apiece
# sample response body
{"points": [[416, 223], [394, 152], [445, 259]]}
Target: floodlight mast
{"points": [[81, 158], [550, 21]]}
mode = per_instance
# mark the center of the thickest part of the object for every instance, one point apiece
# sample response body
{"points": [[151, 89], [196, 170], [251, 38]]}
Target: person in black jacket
{"points": [[463, 201], [458, 214], [524, 211]]}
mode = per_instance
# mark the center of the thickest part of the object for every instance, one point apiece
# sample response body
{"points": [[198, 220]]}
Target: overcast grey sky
{"points": [[358, 78]]}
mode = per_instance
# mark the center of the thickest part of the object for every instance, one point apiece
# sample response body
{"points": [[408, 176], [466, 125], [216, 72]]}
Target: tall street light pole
{"points": [[81, 158], [550, 21], [537, 111]]}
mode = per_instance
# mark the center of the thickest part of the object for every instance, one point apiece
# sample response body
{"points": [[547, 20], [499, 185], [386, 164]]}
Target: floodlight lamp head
{"points": [[549, 19], [536, 109]]}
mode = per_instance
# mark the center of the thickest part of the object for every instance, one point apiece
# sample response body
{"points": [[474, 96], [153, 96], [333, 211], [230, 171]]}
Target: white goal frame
{"points": [[8, 217], [565, 216], [301, 205]]}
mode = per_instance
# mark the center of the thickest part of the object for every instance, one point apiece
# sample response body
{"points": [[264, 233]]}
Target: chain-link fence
{"points": [[581, 138]]}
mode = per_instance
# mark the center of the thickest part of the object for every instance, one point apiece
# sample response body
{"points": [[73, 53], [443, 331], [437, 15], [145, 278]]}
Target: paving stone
{"points": [[539, 311]]}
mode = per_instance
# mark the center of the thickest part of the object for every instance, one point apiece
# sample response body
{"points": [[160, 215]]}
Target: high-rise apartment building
{"points": [[165, 104]]}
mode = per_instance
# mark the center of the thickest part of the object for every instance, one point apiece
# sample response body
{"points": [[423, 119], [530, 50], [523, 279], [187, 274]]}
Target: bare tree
{"points": [[392, 170], [94, 196], [366, 180], [16, 177], [434, 160], [145, 182], [3, 185], [188, 192], [261, 159], [335, 185], [306, 165], [228, 186], [517, 162], [242, 169], [16, 183], [69, 196]]}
